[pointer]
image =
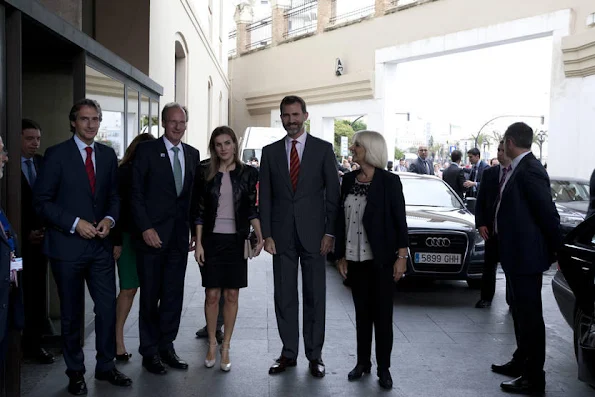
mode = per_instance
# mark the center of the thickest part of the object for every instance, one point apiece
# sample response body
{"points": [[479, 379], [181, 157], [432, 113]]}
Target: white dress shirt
{"points": [[82, 146], [299, 146], [170, 153]]}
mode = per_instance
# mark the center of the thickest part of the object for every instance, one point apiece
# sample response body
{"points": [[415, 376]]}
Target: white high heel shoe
{"points": [[225, 367], [211, 363]]}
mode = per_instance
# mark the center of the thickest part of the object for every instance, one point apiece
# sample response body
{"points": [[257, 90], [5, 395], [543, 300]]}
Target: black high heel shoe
{"points": [[123, 357], [358, 371]]}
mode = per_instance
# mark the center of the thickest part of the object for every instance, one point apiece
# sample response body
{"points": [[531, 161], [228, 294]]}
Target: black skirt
{"points": [[225, 266]]}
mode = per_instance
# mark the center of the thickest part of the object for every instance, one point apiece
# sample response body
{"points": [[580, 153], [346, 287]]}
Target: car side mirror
{"points": [[470, 203]]}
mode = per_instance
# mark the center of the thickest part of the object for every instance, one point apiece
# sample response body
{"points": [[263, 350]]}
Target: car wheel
{"points": [[474, 283]]}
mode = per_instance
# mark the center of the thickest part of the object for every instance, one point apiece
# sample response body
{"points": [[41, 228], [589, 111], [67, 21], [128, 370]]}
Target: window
{"points": [[209, 108], [110, 95], [180, 82]]}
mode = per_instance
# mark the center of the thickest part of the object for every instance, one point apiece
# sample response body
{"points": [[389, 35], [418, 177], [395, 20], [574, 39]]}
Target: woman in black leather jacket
{"points": [[224, 203]]}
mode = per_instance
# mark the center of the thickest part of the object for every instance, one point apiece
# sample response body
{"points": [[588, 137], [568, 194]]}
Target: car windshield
{"points": [[429, 192], [567, 191]]}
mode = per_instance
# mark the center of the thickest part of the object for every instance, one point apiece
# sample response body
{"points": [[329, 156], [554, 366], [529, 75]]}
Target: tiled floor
{"points": [[443, 347]]}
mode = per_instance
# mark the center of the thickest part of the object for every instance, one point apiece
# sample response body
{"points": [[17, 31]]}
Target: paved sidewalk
{"points": [[443, 347]]}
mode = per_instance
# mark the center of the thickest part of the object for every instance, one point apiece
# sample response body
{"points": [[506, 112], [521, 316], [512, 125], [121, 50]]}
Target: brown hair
{"points": [[129, 154], [215, 162], [74, 111]]}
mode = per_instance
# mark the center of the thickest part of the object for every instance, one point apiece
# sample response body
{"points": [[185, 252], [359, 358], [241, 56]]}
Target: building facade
{"points": [[372, 41]]}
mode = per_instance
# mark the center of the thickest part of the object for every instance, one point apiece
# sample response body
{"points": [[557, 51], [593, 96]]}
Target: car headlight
{"points": [[478, 240], [571, 220]]}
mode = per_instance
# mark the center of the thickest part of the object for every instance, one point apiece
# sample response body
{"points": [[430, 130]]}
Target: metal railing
{"points": [[347, 10], [261, 33], [233, 46], [301, 18]]}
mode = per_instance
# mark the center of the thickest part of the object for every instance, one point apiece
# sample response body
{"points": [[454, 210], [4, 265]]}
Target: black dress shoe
{"points": [[359, 370], [482, 304], [114, 377], [317, 368], [76, 384], [281, 365], [524, 385], [123, 357], [202, 333], [154, 365], [171, 358], [511, 368], [384, 379]]}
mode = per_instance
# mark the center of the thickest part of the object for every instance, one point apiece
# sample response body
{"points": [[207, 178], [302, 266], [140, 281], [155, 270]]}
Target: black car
{"points": [[573, 283], [571, 196], [443, 241]]}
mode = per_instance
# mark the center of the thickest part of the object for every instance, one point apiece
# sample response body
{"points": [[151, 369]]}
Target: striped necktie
{"points": [[294, 165]]}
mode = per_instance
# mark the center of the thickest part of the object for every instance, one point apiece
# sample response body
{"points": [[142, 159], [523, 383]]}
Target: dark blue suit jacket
{"points": [[11, 303], [528, 222], [62, 193], [486, 198], [154, 202]]}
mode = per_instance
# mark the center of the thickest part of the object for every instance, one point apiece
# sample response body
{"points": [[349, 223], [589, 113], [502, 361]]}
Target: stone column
{"points": [[243, 17], [381, 7], [327, 9], [280, 25]]}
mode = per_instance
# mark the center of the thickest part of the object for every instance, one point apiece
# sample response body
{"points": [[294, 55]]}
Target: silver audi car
{"points": [[443, 240]]}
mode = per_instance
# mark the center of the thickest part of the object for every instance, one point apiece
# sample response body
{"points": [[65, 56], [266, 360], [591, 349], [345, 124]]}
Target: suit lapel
{"points": [[187, 167], [99, 166], [281, 155], [515, 172], [306, 162], [166, 163], [78, 167]]}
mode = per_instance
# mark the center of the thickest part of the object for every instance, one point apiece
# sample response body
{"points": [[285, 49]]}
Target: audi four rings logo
{"points": [[441, 242]]}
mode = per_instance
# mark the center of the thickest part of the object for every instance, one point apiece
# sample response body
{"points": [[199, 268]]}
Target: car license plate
{"points": [[437, 258]]}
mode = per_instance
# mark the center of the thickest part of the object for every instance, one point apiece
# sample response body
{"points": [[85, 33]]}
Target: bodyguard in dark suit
{"points": [[421, 165], [493, 178], [162, 180], [34, 261], [299, 196], [76, 194], [454, 175], [479, 166], [528, 230]]}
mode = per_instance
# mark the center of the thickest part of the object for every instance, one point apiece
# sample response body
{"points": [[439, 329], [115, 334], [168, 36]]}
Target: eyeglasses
{"points": [[176, 123]]}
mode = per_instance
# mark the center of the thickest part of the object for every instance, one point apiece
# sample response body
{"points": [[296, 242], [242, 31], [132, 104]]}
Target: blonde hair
{"points": [[375, 145]]}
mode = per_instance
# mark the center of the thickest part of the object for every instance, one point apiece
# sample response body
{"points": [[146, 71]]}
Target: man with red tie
{"points": [[76, 194], [298, 201]]}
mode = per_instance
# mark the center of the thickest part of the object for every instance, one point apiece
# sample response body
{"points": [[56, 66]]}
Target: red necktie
{"points": [[89, 168], [294, 165]]}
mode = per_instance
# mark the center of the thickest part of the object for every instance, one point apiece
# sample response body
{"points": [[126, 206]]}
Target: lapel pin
{"points": [[162, 154]]}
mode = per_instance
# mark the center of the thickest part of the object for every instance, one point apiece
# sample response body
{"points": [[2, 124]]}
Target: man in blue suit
{"points": [[476, 172], [527, 226], [76, 195], [11, 303]]}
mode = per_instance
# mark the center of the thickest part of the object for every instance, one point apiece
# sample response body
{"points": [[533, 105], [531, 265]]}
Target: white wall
{"points": [[186, 18]]}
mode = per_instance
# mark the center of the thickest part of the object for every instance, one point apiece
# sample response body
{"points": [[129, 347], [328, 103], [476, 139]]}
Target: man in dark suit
{"points": [[454, 175], [493, 178], [421, 165], [478, 166], [76, 194], [299, 197], [528, 232], [11, 303], [163, 176], [34, 261]]}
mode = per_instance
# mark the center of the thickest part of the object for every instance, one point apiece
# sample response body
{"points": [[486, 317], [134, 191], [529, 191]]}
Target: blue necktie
{"points": [[30, 172]]}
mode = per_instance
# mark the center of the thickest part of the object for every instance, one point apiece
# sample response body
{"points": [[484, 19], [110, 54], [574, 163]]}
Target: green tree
{"points": [[399, 154], [359, 126], [342, 128]]}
